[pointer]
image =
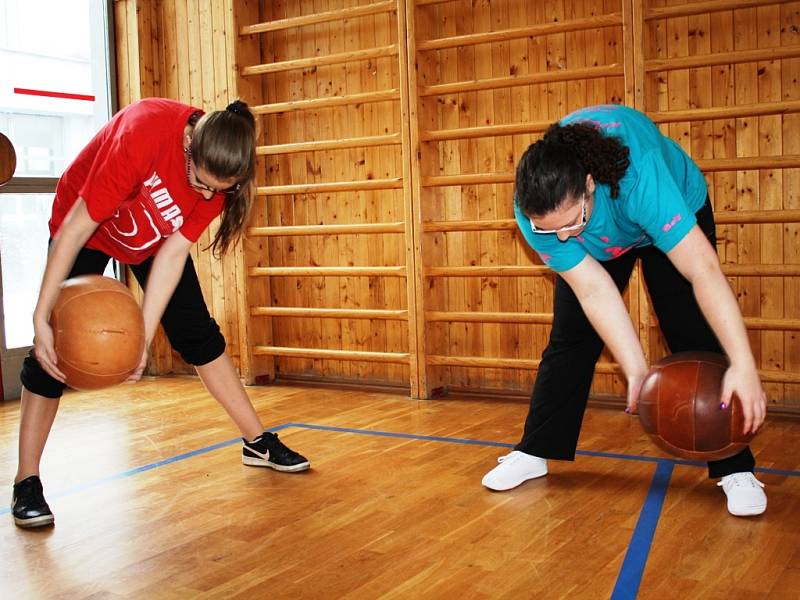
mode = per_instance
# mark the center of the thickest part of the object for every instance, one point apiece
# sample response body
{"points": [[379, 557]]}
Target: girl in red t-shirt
{"points": [[142, 192]]}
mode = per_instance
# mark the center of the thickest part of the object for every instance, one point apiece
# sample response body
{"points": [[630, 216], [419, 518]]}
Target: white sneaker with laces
{"points": [[745, 494], [514, 469]]}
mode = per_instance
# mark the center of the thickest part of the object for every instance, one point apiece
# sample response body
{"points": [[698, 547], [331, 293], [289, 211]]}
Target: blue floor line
{"points": [[148, 467], [453, 440], [632, 569], [630, 574]]}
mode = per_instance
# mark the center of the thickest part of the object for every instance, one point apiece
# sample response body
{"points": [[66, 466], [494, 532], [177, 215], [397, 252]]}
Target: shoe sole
{"points": [[751, 511], [258, 462], [42, 521], [519, 483]]}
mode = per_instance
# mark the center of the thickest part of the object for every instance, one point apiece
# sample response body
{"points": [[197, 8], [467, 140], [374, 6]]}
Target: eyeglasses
{"points": [[581, 223], [195, 183]]}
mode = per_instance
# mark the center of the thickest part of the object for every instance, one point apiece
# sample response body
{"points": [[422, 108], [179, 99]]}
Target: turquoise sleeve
{"points": [[657, 205]]}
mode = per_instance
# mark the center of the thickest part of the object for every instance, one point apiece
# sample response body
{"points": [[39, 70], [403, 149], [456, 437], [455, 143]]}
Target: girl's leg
{"points": [[196, 336], [38, 407], [40, 392], [683, 324], [223, 383], [561, 390], [37, 414]]}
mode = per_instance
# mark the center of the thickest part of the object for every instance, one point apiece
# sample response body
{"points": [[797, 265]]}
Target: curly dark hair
{"points": [[556, 166]]}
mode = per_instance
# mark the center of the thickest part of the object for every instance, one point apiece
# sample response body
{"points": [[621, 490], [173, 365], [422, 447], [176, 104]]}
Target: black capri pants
{"points": [[191, 330], [561, 390]]}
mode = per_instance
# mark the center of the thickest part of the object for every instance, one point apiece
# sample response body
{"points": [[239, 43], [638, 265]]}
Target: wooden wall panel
{"points": [[336, 165], [390, 130], [484, 70], [748, 53], [185, 49]]}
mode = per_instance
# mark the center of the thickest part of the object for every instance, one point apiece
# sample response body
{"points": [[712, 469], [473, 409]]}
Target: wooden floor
{"points": [[152, 501]]}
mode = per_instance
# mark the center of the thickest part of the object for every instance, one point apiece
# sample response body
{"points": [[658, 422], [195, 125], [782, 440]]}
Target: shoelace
{"points": [[739, 480], [511, 455]]}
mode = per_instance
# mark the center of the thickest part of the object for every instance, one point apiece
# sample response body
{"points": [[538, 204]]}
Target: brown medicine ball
{"points": [[99, 332], [679, 406]]}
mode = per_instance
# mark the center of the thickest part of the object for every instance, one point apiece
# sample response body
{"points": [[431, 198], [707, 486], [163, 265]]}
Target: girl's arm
{"points": [[697, 261], [165, 273], [73, 234], [606, 311]]}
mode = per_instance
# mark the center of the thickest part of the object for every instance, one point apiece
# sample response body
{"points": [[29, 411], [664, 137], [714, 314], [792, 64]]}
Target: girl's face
{"points": [[202, 181], [570, 217], [205, 183]]}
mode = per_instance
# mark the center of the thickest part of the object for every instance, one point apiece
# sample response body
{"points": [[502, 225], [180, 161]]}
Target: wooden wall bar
{"points": [[383, 247]]}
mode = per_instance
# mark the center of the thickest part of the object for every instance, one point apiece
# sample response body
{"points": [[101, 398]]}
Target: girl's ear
{"points": [[590, 185]]}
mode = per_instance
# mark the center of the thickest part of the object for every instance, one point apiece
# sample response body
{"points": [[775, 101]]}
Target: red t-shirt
{"points": [[132, 176]]}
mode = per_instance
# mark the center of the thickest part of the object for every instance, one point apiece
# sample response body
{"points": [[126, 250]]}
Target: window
{"points": [[56, 78]]}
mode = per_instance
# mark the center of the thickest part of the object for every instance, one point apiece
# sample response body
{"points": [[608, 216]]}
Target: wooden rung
{"points": [[484, 225], [754, 323], [326, 102], [351, 228], [699, 8], [745, 217], [383, 357], [317, 61], [504, 363], [482, 271], [331, 186], [467, 179], [748, 163], [613, 70], [730, 270], [761, 323], [429, 2], [755, 217], [761, 270], [712, 164], [721, 58], [726, 112], [359, 142], [437, 135], [489, 317], [322, 17], [593, 22], [329, 313], [696, 114], [399, 271], [532, 364]]}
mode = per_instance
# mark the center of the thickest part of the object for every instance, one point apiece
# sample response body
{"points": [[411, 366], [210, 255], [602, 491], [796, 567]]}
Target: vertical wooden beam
{"points": [[412, 195], [634, 57], [246, 50]]}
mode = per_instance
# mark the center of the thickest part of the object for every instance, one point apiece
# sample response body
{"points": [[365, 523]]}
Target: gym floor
{"points": [[151, 501]]}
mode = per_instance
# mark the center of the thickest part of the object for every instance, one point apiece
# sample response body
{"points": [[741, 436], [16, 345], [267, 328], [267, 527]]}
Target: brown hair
{"points": [[224, 144]]}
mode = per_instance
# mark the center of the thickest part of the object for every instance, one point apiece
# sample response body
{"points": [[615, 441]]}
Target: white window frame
{"points": [[11, 358]]}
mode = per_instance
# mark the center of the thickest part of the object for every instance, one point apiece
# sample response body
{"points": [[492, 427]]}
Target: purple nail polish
{"points": [[723, 406], [627, 410]]}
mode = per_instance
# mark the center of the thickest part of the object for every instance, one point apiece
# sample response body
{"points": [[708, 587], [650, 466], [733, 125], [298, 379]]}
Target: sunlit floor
{"points": [[151, 501]]}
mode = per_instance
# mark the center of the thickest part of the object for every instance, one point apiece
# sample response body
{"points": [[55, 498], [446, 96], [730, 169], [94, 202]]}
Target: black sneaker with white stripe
{"points": [[268, 451], [28, 504]]}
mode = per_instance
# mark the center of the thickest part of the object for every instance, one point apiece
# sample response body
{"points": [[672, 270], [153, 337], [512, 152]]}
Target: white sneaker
{"points": [[514, 469], [745, 496]]}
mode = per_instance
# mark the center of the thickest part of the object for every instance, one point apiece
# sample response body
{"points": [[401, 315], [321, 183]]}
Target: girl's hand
{"points": [[137, 374], [745, 383], [44, 349], [634, 388]]}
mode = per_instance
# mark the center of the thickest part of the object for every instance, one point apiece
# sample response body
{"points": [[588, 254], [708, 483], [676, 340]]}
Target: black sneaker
{"points": [[28, 504], [268, 451]]}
